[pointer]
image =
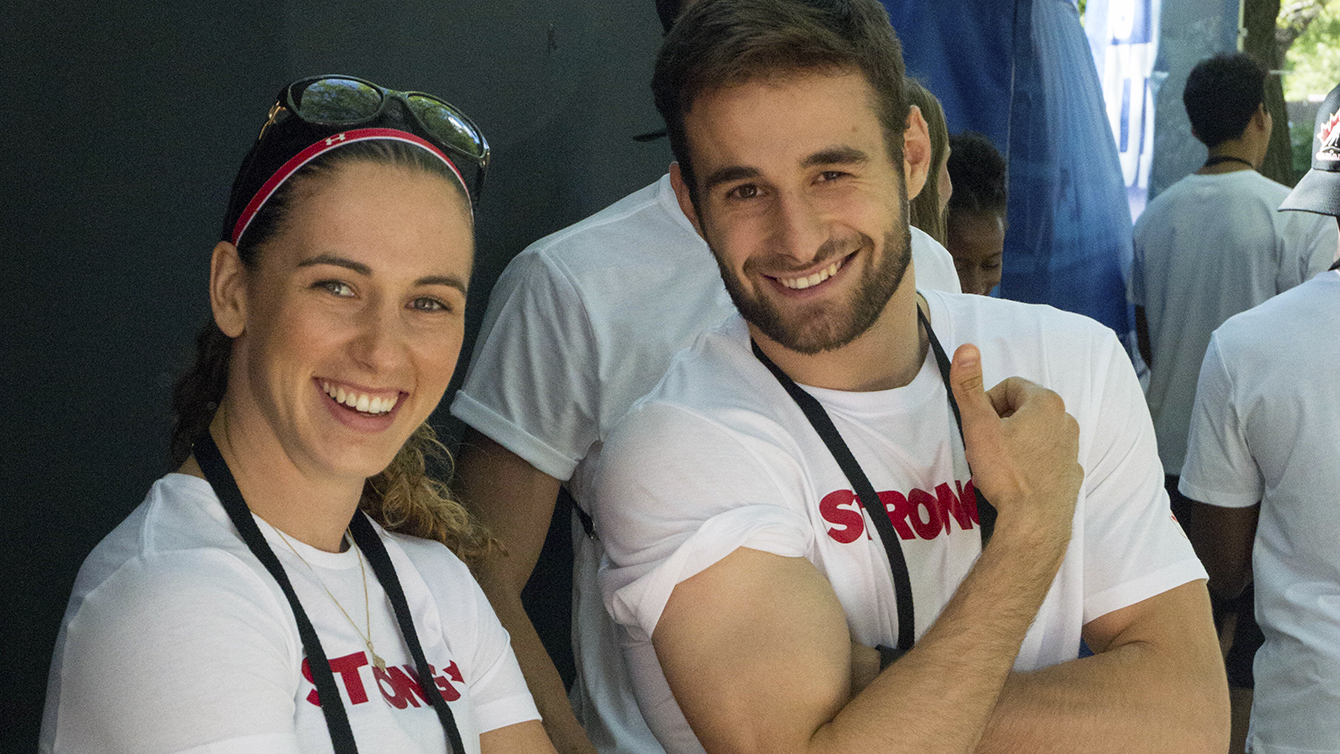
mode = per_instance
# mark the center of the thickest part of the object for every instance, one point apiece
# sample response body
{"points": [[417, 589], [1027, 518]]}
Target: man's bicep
{"points": [[757, 652], [1177, 621]]}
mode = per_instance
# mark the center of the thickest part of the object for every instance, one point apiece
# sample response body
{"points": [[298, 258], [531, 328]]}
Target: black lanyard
{"points": [[819, 419], [1226, 158], [365, 538]]}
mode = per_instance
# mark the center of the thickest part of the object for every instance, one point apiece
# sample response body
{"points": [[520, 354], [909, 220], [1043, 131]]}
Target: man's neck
{"points": [[311, 510], [1233, 155], [888, 355]]}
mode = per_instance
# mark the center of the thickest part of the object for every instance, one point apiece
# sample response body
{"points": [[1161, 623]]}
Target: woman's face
{"points": [[976, 240], [355, 315]]}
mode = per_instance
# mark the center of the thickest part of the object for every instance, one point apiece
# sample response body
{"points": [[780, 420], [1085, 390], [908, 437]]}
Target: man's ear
{"points": [[228, 289], [916, 152], [682, 196], [1261, 118]]}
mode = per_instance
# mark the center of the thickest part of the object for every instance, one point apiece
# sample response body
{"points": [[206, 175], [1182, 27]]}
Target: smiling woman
{"points": [[338, 296]]}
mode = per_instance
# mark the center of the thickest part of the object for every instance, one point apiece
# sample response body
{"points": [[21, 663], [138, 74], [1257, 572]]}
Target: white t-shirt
{"points": [[581, 324], [719, 457], [1266, 428], [176, 639], [1207, 248]]}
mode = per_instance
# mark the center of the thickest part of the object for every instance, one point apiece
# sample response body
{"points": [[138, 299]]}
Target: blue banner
{"points": [[1022, 73]]}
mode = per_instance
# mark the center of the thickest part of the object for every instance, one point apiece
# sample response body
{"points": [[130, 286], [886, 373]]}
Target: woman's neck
{"points": [[308, 507]]}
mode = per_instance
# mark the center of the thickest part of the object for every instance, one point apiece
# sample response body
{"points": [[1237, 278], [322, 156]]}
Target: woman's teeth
{"points": [[814, 279], [361, 402]]}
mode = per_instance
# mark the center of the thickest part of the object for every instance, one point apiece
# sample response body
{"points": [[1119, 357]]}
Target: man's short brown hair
{"points": [[721, 43]]}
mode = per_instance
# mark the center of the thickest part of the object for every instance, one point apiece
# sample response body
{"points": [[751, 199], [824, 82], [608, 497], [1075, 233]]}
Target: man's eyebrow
{"points": [[835, 156], [728, 174], [348, 264], [447, 280]]}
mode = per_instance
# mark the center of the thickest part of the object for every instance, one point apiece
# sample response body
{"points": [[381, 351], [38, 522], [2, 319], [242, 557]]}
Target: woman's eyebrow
{"points": [[448, 280], [349, 264]]}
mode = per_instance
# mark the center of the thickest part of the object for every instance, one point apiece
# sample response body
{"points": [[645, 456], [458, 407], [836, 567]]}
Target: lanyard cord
{"points": [[337, 720], [865, 491], [365, 537], [1211, 162]]}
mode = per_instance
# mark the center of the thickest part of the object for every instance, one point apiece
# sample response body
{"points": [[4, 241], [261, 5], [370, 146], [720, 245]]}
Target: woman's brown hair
{"points": [[925, 208]]}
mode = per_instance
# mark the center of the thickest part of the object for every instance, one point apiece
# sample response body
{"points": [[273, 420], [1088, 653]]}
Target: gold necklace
{"points": [[367, 605]]}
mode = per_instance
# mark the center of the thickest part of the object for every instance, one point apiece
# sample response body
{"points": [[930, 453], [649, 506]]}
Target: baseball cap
{"points": [[1319, 189]]}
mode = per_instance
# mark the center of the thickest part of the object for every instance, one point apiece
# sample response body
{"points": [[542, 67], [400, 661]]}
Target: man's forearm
{"points": [[542, 678], [962, 662], [516, 501], [1158, 695]]}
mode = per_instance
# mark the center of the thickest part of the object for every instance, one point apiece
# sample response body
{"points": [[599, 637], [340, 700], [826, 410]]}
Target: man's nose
{"points": [[799, 226]]}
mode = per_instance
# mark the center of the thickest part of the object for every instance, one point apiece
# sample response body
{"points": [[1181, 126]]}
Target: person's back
{"points": [[1261, 470], [1209, 247], [1270, 368], [1212, 245]]}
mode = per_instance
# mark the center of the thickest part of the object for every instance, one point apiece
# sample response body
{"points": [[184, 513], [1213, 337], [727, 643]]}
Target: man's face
{"points": [[801, 204]]}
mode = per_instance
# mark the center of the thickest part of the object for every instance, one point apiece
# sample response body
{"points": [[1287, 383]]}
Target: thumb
{"points": [[965, 379]]}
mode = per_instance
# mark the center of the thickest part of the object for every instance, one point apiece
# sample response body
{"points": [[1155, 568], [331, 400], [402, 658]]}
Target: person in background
{"points": [[928, 208], [796, 481], [580, 325], [1262, 476], [976, 220], [233, 610], [1211, 246]]}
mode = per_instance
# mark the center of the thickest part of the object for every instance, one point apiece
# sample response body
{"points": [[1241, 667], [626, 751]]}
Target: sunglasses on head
{"points": [[347, 102]]}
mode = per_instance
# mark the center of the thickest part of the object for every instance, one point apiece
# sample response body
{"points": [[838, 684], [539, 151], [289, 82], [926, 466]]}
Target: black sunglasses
{"points": [[347, 101]]}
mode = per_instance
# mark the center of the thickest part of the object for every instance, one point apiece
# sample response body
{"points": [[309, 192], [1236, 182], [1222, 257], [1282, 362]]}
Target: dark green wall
{"points": [[122, 123]]}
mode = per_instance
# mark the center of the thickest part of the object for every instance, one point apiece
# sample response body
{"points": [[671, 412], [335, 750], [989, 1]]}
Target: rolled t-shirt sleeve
{"points": [[532, 385], [675, 494], [1133, 548], [1219, 467]]}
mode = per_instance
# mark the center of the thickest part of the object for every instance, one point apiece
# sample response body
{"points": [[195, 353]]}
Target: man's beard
{"points": [[832, 325]]}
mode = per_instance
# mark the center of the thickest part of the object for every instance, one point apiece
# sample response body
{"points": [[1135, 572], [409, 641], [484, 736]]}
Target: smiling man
{"points": [[742, 557]]}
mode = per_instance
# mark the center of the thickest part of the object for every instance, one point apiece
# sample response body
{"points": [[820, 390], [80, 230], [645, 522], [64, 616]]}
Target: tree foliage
{"points": [[1312, 56]]}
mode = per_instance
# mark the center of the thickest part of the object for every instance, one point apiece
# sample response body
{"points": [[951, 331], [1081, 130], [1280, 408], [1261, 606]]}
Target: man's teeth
{"points": [[814, 279], [361, 402]]}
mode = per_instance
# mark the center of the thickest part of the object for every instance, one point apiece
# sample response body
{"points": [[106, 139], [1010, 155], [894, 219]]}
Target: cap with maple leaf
{"points": [[1319, 189]]}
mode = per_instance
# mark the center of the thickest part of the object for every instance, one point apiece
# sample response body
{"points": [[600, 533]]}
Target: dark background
{"points": [[122, 124]]}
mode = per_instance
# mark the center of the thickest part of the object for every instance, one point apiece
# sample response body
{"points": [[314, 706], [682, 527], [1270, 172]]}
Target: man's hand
{"points": [[1021, 444]]}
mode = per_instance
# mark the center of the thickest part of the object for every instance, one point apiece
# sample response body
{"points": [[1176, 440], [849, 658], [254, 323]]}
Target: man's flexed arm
{"points": [[756, 647]]}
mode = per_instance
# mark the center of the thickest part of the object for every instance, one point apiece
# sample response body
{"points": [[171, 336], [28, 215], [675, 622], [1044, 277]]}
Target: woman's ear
{"points": [[916, 152], [228, 289]]}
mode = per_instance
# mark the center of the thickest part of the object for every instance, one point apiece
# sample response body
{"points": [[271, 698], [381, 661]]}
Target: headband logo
{"points": [[1329, 137], [333, 139]]}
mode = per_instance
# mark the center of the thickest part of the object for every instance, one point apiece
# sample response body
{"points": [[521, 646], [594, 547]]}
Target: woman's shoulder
{"points": [[174, 558], [430, 559]]}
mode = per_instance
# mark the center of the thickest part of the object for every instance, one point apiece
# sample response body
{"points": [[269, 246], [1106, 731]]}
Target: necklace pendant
{"points": [[376, 658]]}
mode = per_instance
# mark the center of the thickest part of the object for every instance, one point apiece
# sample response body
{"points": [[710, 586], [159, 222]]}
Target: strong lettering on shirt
{"points": [[399, 686], [916, 515]]}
